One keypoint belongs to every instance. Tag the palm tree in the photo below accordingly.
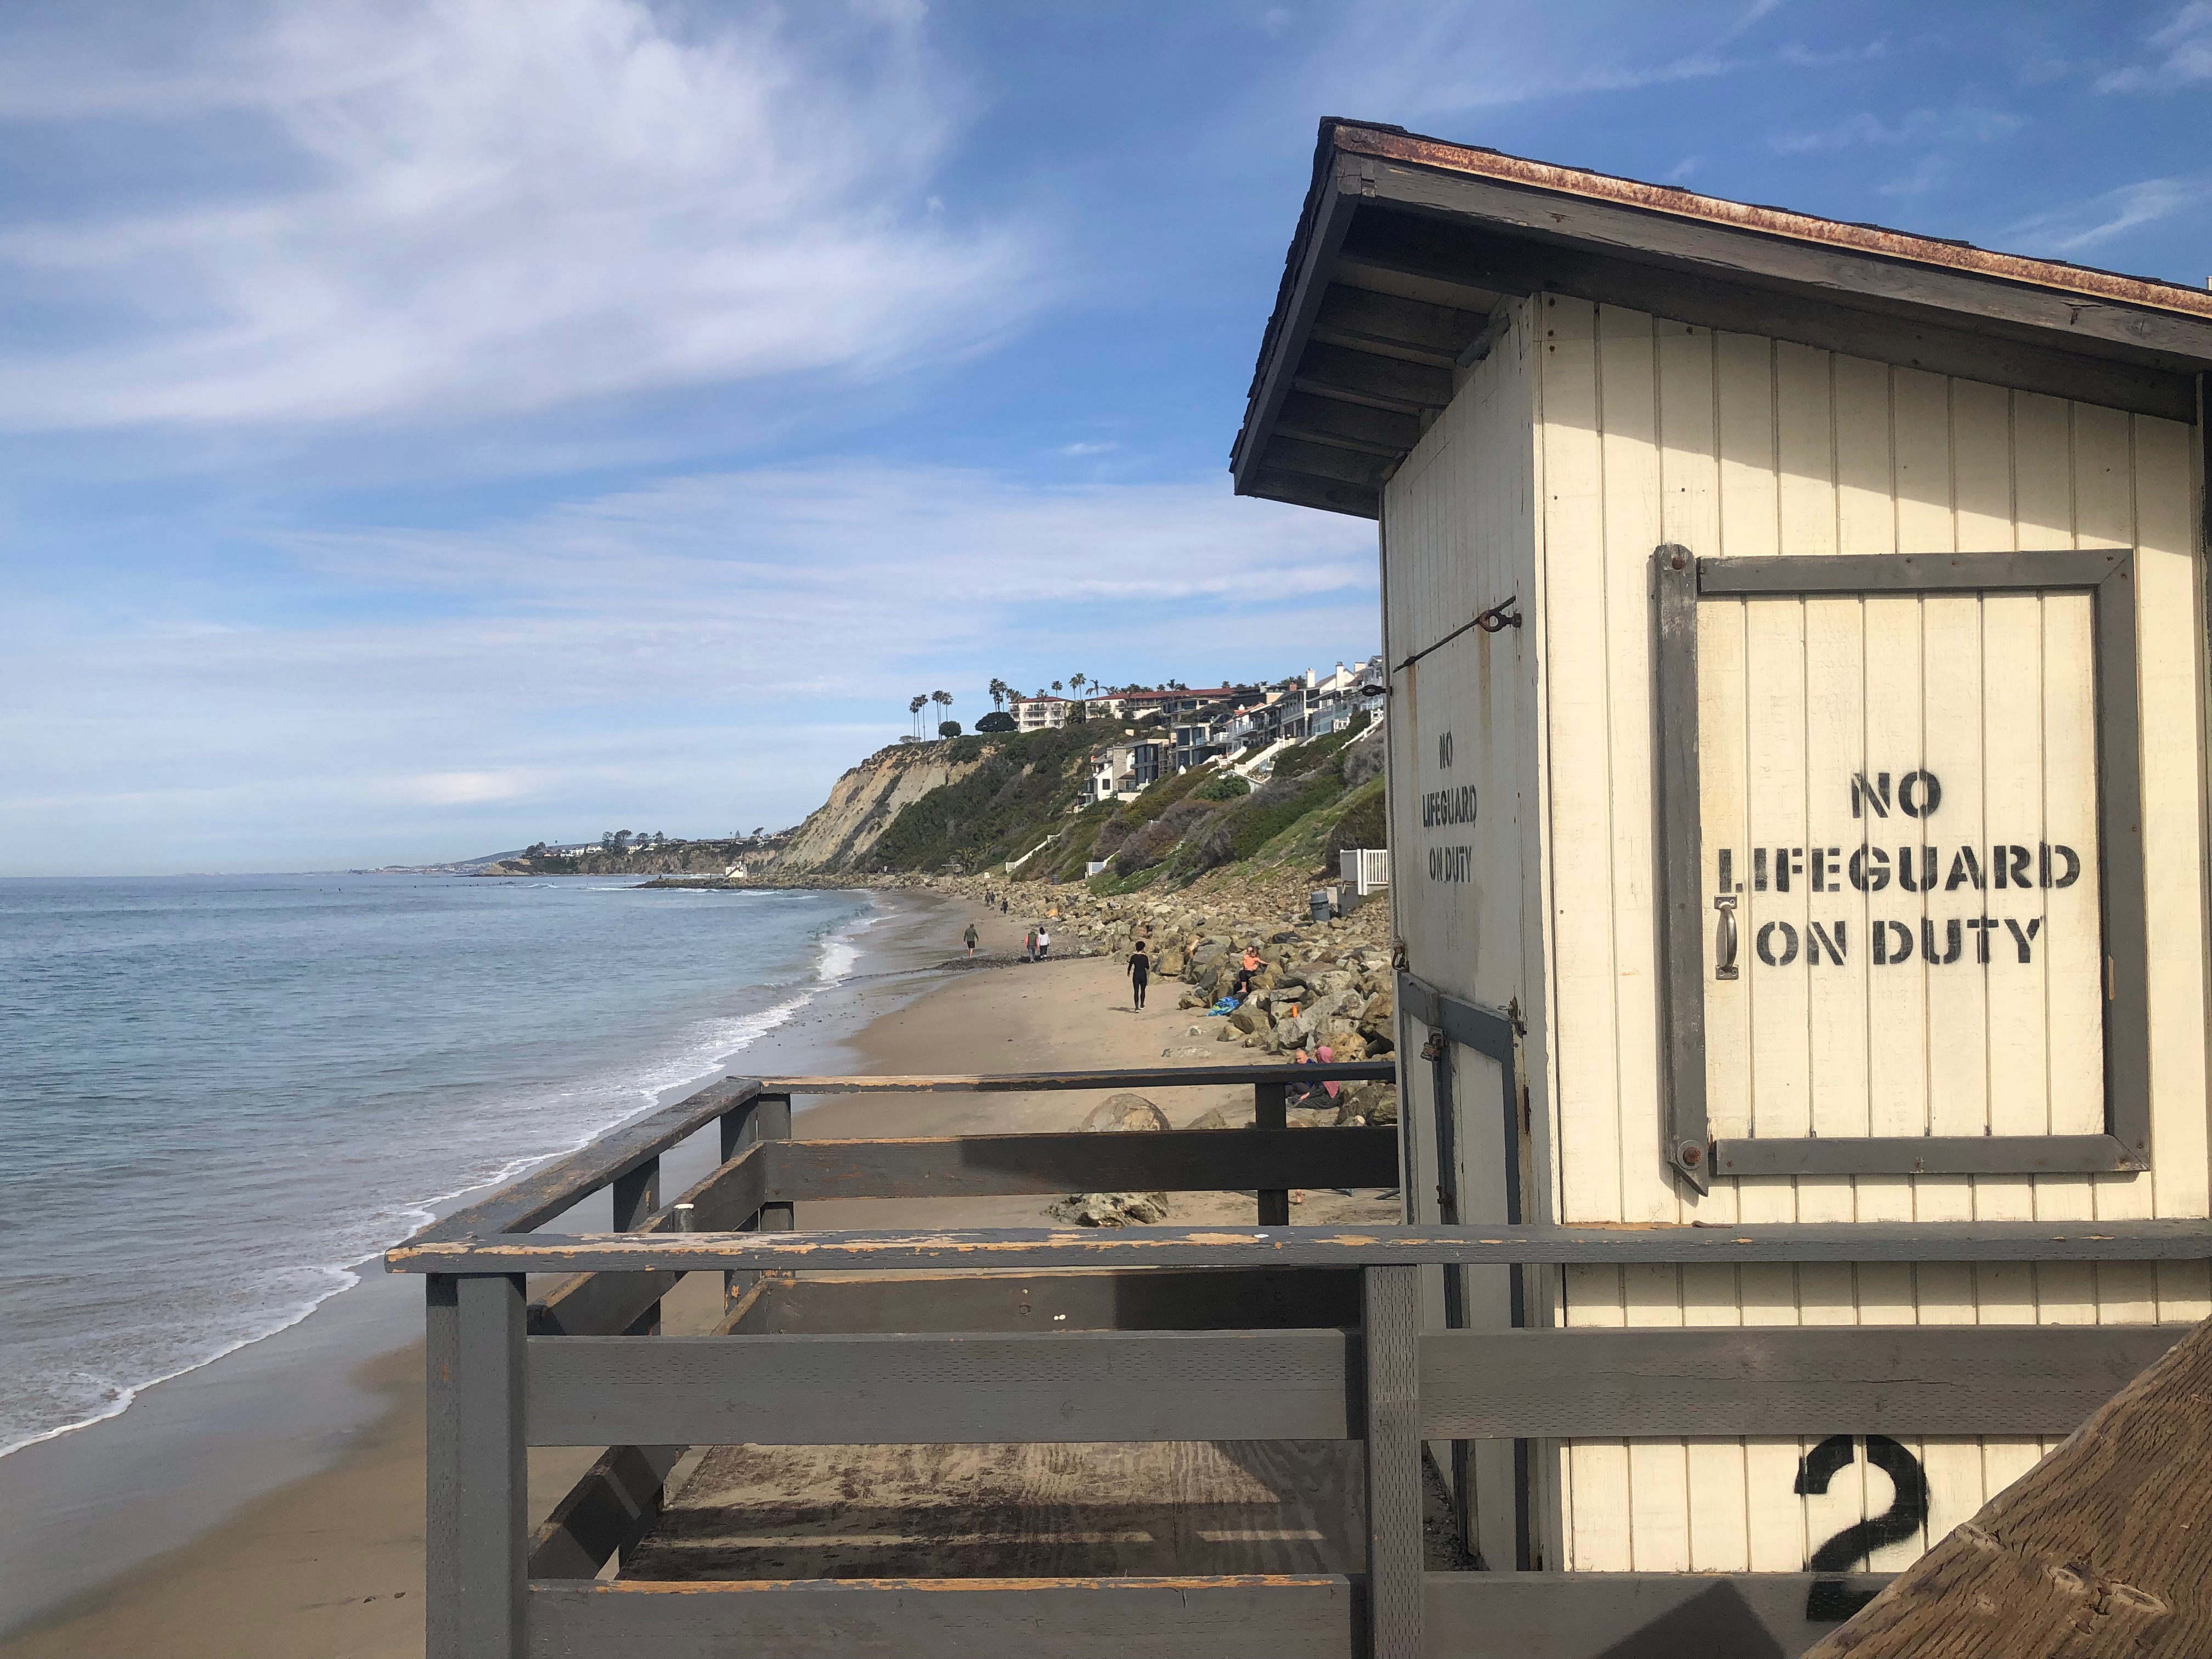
(943, 699)
(1057, 687)
(913, 711)
(1077, 682)
(999, 692)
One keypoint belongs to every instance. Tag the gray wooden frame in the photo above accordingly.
(2107, 575)
(1464, 1615)
(1291, 1333)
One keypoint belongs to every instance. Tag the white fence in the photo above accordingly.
(1365, 870)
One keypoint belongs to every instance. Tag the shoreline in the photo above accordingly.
(83, 1511)
(329, 1563)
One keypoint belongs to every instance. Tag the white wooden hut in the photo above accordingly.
(1811, 825)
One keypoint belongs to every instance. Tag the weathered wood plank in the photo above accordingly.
(1117, 1510)
(615, 1504)
(1246, 1618)
(1730, 1380)
(1141, 1299)
(1390, 1336)
(2161, 1240)
(1160, 1160)
(1622, 1615)
(605, 1304)
(1164, 1077)
(878, 1390)
(2104, 1547)
(552, 1188)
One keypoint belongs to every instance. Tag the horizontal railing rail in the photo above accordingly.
(1037, 1248)
(1164, 1076)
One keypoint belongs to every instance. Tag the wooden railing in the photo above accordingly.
(1173, 1335)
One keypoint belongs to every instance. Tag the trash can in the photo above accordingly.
(1318, 901)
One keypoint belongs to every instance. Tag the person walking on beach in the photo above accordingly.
(1141, 974)
(970, 936)
(1029, 946)
(1044, 943)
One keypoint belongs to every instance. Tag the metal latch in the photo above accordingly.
(1724, 937)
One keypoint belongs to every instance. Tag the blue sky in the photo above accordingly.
(435, 427)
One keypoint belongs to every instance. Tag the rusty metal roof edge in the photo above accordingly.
(1394, 144)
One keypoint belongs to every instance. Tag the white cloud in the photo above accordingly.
(1965, 125)
(708, 648)
(2185, 41)
(1099, 446)
(457, 788)
(1407, 62)
(2082, 225)
(464, 207)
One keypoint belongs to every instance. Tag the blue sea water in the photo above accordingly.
(221, 1095)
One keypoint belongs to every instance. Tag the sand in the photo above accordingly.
(329, 1566)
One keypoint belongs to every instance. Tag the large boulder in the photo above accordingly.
(1369, 1103)
(1126, 1110)
(1212, 1118)
(1169, 964)
(1252, 1015)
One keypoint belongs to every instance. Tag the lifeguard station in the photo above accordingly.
(1796, 642)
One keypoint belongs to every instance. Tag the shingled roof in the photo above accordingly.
(1407, 245)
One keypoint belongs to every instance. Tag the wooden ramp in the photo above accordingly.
(1012, 1511)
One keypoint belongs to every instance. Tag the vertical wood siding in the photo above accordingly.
(1734, 445)
(1459, 536)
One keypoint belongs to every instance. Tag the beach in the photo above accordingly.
(329, 1562)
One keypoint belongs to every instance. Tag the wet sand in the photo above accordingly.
(329, 1565)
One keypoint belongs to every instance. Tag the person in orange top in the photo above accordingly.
(1250, 966)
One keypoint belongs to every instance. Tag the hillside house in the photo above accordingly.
(1040, 713)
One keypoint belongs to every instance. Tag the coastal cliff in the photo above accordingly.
(840, 833)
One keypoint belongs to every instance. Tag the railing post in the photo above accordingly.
(474, 1530)
(1390, 1319)
(772, 1121)
(1271, 1110)
(764, 1117)
(636, 1196)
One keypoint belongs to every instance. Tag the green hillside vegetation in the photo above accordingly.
(1034, 788)
(1019, 796)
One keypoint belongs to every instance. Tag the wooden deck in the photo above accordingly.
(1013, 1511)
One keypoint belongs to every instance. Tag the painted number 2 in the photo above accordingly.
(1830, 1599)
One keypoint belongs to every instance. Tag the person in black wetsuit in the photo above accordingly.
(1140, 974)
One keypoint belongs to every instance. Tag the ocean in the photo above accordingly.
(220, 1097)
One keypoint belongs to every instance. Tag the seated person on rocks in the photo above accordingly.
(1315, 1094)
(1245, 971)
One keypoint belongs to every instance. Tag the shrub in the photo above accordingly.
(1156, 840)
(996, 722)
(1364, 823)
(1363, 759)
(1241, 828)
(1227, 786)
(948, 728)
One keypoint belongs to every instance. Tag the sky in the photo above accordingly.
(434, 426)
